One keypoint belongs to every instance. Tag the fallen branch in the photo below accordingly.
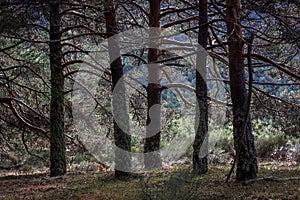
(271, 178)
(14, 167)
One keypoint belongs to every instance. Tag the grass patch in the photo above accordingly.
(162, 184)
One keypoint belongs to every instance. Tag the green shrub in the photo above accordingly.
(268, 138)
(221, 145)
(267, 143)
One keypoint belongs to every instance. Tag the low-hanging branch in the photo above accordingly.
(178, 85)
(12, 46)
(90, 94)
(215, 5)
(81, 5)
(265, 106)
(5, 100)
(8, 101)
(81, 26)
(174, 10)
(274, 97)
(46, 41)
(26, 147)
(80, 15)
(30, 69)
(96, 68)
(281, 67)
(191, 89)
(136, 23)
(137, 5)
(179, 22)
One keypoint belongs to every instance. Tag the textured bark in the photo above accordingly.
(243, 137)
(57, 136)
(121, 138)
(152, 142)
(200, 144)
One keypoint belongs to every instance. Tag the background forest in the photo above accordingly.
(254, 45)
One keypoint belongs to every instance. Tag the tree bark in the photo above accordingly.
(243, 137)
(57, 136)
(121, 137)
(200, 145)
(152, 141)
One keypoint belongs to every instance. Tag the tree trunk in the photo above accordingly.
(57, 137)
(152, 142)
(201, 142)
(121, 137)
(243, 137)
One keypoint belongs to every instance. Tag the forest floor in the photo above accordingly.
(168, 184)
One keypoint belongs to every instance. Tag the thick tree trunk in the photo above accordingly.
(243, 137)
(121, 137)
(152, 142)
(57, 136)
(201, 143)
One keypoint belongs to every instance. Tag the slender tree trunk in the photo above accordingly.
(201, 142)
(121, 137)
(57, 136)
(243, 137)
(152, 142)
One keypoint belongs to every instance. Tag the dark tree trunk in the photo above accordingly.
(121, 137)
(152, 142)
(201, 143)
(243, 137)
(57, 137)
